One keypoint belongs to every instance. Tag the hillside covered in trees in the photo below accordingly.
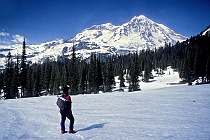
(190, 58)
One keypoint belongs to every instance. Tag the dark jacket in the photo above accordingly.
(68, 102)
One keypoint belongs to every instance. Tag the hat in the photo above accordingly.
(66, 89)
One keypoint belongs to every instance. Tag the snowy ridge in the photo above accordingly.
(207, 31)
(137, 34)
(159, 111)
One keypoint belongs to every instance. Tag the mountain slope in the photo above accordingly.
(140, 32)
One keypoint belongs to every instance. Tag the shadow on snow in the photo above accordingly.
(94, 126)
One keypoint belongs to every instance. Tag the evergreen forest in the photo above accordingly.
(191, 58)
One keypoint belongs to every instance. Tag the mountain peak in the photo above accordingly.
(141, 18)
(106, 26)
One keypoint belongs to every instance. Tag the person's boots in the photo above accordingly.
(72, 131)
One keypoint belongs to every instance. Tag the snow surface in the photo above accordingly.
(159, 112)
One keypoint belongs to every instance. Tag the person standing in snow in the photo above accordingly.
(67, 112)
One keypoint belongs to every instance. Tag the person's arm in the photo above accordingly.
(70, 103)
(69, 100)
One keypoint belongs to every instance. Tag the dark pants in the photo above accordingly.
(69, 115)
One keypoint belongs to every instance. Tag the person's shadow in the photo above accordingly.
(94, 126)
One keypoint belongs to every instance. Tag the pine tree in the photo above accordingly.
(99, 78)
(54, 80)
(33, 87)
(73, 73)
(147, 68)
(121, 75)
(30, 82)
(92, 75)
(133, 74)
(64, 74)
(23, 73)
(208, 69)
(1, 80)
(46, 75)
(15, 81)
(8, 77)
(121, 78)
(36, 78)
(83, 77)
(185, 75)
(110, 81)
(42, 76)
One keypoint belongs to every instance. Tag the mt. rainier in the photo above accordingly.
(137, 34)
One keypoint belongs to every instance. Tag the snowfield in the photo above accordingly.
(158, 112)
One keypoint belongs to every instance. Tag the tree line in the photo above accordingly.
(191, 58)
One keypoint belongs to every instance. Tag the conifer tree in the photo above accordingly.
(30, 81)
(121, 78)
(23, 72)
(148, 66)
(54, 80)
(110, 81)
(1, 80)
(99, 78)
(46, 74)
(64, 74)
(185, 73)
(8, 77)
(92, 76)
(15, 81)
(133, 74)
(73, 73)
(121, 75)
(208, 69)
(83, 77)
(36, 84)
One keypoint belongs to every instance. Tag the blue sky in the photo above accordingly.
(44, 20)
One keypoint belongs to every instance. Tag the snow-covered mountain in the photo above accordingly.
(137, 34)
